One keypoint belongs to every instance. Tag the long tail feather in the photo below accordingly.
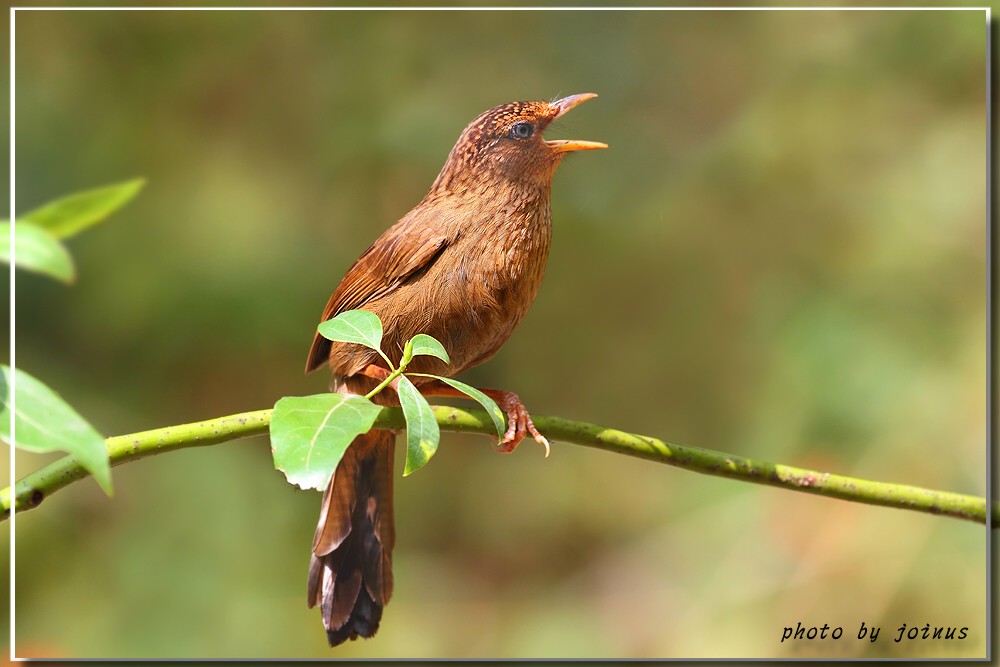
(350, 574)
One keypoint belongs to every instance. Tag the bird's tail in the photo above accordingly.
(350, 575)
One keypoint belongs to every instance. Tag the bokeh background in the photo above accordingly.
(782, 255)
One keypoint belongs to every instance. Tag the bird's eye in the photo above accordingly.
(522, 130)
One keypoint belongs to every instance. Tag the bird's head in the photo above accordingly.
(506, 144)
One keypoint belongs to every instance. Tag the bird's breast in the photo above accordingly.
(493, 282)
(477, 290)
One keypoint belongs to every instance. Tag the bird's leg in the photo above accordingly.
(519, 422)
(376, 373)
(380, 374)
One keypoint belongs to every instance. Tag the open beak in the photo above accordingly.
(568, 145)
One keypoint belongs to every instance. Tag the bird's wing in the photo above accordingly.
(403, 250)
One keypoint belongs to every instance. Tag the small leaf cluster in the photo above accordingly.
(309, 434)
(41, 420)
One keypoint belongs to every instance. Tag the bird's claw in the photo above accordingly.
(519, 425)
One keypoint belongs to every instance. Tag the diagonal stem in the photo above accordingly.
(35, 487)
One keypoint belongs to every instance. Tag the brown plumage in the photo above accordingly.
(463, 266)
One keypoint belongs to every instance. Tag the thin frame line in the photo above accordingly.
(10, 388)
(505, 8)
(989, 332)
(989, 208)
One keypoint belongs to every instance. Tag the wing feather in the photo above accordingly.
(402, 251)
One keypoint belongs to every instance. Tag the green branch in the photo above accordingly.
(32, 489)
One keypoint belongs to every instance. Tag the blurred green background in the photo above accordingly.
(782, 255)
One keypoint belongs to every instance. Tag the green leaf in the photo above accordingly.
(36, 250)
(494, 411)
(69, 215)
(309, 434)
(354, 326)
(43, 422)
(422, 432)
(428, 345)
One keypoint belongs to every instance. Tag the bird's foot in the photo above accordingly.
(519, 423)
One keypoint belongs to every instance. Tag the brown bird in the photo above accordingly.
(463, 266)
